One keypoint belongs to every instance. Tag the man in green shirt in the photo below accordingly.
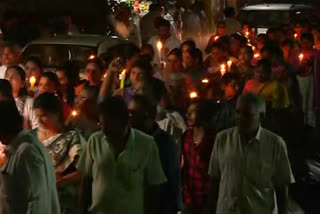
(121, 165)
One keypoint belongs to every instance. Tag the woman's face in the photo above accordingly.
(32, 69)
(260, 74)
(244, 56)
(136, 75)
(94, 74)
(46, 85)
(46, 120)
(174, 64)
(12, 75)
(192, 115)
(63, 79)
(187, 60)
(86, 102)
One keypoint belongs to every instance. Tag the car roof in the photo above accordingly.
(81, 39)
(276, 7)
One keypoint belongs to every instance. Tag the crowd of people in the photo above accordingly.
(168, 127)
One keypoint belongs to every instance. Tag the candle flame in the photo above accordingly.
(229, 63)
(247, 34)
(32, 80)
(193, 95)
(216, 38)
(92, 56)
(74, 113)
(159, 46)
(301, 57)
(205, 81)
(295, 35)
(257, 56)
(223, 69)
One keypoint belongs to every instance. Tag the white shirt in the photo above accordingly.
(118, 185)
(249, 172)
(25, 107)
(171, 43)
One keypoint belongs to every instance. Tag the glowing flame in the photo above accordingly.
(295, 35)
(247, 34)
(223, 69)
(229, 63)
(32, 80)
(159, 46)
(205, 81)
(193, 95)
(257, 56)
(92, 56)
(216, 38)
(301, 57)
(74, 113)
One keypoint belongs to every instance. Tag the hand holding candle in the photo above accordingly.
(223, 69)
(159, 47)
(32, 82)
(229, 63)
(193, 95)
(122, 78)
(74, 113)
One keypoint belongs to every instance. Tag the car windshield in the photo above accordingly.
(264, 18)
(53, 55)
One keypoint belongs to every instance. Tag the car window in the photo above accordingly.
(264, 18)
(54, 55)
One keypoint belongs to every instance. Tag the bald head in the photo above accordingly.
(250, 111)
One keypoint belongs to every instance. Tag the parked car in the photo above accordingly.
(264, 16)
(53, 51)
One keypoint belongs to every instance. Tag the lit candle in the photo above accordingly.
(205, 81)
(193, 95)
(247, 34)
(301, 57)
(295, 36)
(92, 56)
(257, 56)
(32, 82)
(74, 113)
(159, 47)
(223, 69)
(216, 38)
(122, 78)
(229, 63)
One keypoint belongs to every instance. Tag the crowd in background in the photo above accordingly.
(152, 131)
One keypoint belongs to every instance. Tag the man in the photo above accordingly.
(249, 165)
(27, 178)
(233, 26)
(147, 28)
(123, 163)
(9, 57)
(143, 113)
(164, 36)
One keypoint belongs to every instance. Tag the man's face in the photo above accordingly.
(137, 115)
(174, 64)
(46, 85)
(221, 30)
(260, 74)
(217, 54)
(247, 117)
(9, 57)
(164, 32)
(112, 128)
(231, 89)
(94, 74)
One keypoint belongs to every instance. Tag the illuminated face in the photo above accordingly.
(94, 74)
(12, 75)
(9, 57)
(46, 85)
(32, 69)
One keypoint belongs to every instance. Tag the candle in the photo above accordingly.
(32, 82)
(74, 113)
(223, 69)
(159, 47)
(301, 57)
(229, 63)
(122, 78)
(193, 95)
(295, 36)
(257, 56)
(216, 38)
(205, 81)
(92, 56)
(247, 34)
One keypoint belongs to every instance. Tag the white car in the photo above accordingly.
(265, 16)
(55, 50)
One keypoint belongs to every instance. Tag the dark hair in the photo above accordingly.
(176, 52)
(288, 42)
(265, 64)
(93, 90)
(115, 109)
(146, 103)
(228, 77)
(98, 62)
(70, 88)
(308, 36)
(229, 12)
(73, 69)
(221, 23)
(6, 88)
(189, 43)
(155, 7)
(10, 46)
(12, 121)
(161, 22)
(205, 111)
(35, 60)
(53, 78)
(50, 103)
(243, 40)
(147, 47)
(23, 91)
(196, 54)
(248, 50)
(144, 64)
(217, 45)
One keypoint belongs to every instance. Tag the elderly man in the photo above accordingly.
(249, 165)
(27, 177)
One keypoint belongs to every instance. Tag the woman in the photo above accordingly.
(17, 78)
(49, 83)
(196, 152)
(66, 85)
(274, 92)
(86, 121)
(244, 64)
(34, 69)
(63, 146)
